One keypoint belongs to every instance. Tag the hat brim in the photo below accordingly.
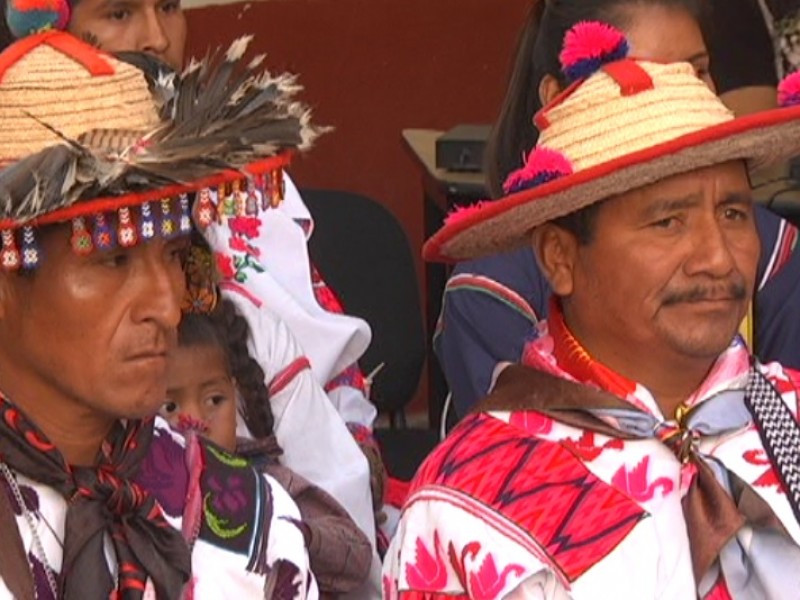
(505, 224)
(107, 204)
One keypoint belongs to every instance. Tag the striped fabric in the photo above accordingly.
(490, 287)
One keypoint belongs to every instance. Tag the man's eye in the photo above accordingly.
(171, 7)
(169, 408)
(734, 214)
(668, 223)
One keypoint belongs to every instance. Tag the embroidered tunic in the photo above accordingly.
(517, 505)
(244, 525)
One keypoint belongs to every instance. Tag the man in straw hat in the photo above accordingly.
(318, 404)
(639, 451)
(99, 165)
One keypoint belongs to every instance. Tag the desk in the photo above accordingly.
(442, 190)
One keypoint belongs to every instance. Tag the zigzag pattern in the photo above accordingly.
(541, 486)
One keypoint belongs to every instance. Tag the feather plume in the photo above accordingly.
(220, 114)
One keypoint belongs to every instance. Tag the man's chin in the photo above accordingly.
(140, 405)
(706, 348)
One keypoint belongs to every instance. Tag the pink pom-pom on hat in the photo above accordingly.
(461, 213)
(588, 46)
(789, 90)
(541, 166)
(28, 17)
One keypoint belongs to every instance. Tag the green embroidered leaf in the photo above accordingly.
(228, 459)
(219, 525)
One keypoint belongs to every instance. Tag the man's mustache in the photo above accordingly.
(734, 290)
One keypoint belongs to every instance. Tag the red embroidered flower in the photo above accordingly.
(238, 244)
(245, 226)
(225, 266)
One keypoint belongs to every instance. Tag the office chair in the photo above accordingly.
(363, 254)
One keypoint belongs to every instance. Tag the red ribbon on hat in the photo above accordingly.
(88, 56)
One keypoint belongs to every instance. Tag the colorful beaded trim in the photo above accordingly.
(166, 217)
(225, 203)
(101, 232)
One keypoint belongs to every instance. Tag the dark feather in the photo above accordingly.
(219, 114)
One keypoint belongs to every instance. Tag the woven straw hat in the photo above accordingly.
(627, 124)
(118, 147)
(55, 79)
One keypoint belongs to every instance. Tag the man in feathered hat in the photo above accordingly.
(97, 171)
(639, 450)
(318, 404)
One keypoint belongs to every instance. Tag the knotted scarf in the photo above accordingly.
(713, 516)
(101, 500)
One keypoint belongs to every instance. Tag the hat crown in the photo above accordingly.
(624, 125)
(606, 116)
(56, 80)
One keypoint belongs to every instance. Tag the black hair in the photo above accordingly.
(580, 223)
(536, 55)
(6, 39)
(227, 330)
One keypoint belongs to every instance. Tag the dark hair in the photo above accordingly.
(536, 55)
(580, 223)
(6, 39)
(226, 329)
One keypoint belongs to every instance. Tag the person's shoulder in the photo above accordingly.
(492, 474)
(513, 279)
(517, 268)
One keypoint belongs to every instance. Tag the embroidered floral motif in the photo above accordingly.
(225, 265)
(227, 458)
(769, 477)
(163, 473)
(239, 244)
(429, 571)
(244, 263)
(245, 226)
(487, 582)
(389, 588)
(235, 267)
(220, 525)
(585, 446)
(636, 484)
(236, 504)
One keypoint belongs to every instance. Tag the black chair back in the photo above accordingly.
(364, 255)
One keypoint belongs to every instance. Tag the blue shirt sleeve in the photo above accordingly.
(777, 299)
(490, 308)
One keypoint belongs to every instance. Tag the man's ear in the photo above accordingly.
(556, 252)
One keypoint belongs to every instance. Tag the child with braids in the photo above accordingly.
(215, 389)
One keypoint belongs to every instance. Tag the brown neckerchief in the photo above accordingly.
(712, 516)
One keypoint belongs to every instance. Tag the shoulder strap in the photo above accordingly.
(521, 388)
(779, 432)
(15, 571)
